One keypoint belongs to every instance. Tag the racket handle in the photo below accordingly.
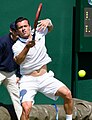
(33, 36)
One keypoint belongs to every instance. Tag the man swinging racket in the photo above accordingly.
(33, 58)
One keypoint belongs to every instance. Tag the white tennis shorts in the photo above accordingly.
(46, 84)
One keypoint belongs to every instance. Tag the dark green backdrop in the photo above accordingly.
(82, 53)
(59, 41)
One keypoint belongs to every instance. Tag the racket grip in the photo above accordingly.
(33, 37)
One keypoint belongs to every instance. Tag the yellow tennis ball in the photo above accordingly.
(82, 73)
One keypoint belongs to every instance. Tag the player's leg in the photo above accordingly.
(65, 93)
(27, 106)
(53, 88)
(28, 89)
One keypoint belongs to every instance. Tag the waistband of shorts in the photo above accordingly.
(45, 75)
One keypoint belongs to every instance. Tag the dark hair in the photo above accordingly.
(12, 26)
(19, 20)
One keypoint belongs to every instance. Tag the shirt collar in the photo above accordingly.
(23, 40)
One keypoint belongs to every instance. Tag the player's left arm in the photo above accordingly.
(43, 24)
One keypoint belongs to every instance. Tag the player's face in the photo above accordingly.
(23, 29)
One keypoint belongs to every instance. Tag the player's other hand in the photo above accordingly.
(42, 24)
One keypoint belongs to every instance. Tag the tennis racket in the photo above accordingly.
(36, 19)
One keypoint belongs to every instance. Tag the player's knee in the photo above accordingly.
(27, 110)
(68, 95)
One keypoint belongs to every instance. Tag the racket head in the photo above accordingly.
(37, 15)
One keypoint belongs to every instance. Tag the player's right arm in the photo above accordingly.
(21, 56)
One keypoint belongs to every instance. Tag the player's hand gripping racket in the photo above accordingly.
(36, 19)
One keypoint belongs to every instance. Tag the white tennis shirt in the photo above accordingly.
(37, 55)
